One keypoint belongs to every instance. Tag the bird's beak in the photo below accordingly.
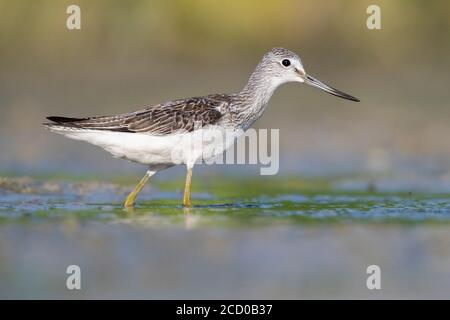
(316, 83)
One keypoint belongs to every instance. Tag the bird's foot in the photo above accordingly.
(130, 200)
(187, 203)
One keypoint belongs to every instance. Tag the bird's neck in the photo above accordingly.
(257, 93)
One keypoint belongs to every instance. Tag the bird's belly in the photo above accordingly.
(202, 145)
(184, 148)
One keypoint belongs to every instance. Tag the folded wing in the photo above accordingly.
(179, 115)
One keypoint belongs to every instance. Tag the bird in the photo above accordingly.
(160, 136)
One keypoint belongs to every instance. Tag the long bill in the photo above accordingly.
(322, 86)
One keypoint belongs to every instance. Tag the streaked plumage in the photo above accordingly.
(152, 135)
(174, 116)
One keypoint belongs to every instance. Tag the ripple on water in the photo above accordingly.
(99, 200)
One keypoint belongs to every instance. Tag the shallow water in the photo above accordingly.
(277, 238)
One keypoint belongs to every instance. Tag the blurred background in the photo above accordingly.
(131, 54)
(300, 235)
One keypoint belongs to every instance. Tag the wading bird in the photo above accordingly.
(152, 135)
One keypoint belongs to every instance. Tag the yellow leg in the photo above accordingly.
(187, 189)
(131, 199)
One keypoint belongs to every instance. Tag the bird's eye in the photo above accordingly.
(286, 62)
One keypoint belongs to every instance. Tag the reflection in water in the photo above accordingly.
(303, 261)
(251, 245)
(190, 219)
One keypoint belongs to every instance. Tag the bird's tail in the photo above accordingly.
(63, 124)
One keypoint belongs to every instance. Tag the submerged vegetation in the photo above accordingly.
(227, 202)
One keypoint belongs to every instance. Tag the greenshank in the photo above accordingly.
(150, 136)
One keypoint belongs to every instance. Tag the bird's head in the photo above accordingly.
(282, 66)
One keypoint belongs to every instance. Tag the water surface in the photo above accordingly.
(244, 238)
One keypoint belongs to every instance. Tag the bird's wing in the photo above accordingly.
(180, 115)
